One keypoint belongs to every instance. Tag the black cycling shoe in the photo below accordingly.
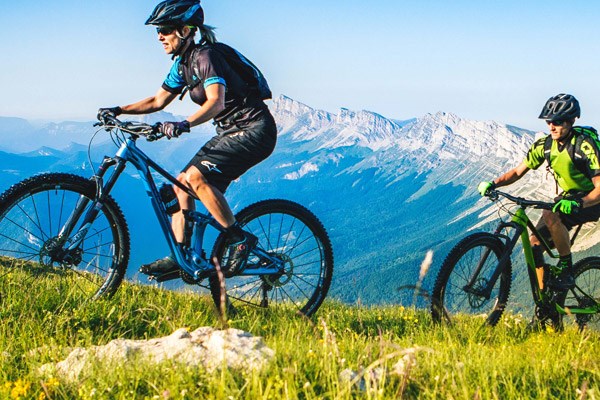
(160, 267)
(564, 280)
(536, 325)
(239, 252)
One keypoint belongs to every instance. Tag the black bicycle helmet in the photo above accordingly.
(562, 107)
(177, 13)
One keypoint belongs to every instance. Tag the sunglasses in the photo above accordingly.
(165, 30)
(558, 122)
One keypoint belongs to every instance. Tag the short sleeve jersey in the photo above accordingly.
(570, 178)
(211, 71)
(207, 67)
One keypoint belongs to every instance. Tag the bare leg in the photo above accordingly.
(539, 270)
(211, 197)
(559, 232)
(186, 203)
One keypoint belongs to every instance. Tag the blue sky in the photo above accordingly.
(482, 59)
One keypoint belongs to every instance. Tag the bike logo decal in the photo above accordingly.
(211, 166)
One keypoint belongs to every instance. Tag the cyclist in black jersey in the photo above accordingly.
(246, 130)
(574, 158)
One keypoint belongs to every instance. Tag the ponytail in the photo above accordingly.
(207, 33)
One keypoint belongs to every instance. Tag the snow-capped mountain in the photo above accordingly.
(386, 190)
(348, 128)
(442, 146)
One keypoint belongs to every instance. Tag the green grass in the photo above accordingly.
(460, 362)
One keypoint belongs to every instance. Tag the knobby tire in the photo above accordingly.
(289, 231)
(450, 300)
(32, 213)
(585, 294)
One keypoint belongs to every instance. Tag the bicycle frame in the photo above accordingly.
(521, 224)
(195, 264)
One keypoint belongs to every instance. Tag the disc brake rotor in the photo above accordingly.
(475, 300)
(284, 277)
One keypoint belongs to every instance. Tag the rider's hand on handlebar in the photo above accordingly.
(174, 129)
(485, 186)
(109, 111)
(568, 206)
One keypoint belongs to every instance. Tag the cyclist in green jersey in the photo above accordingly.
(572, 153)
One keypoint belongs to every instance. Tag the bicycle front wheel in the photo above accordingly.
(290, 232)
(586, 294)
(37, 268)
(466, 271)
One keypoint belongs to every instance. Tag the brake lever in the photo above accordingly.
(154, 136)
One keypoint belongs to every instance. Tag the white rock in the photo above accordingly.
(206, 347)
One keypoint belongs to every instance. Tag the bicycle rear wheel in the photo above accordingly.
(586, 293)
(292, 233)
(37, 270)
(451, 296)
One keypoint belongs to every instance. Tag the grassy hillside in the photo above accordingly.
(462, 362)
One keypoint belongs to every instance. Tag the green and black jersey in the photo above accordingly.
(573, 163)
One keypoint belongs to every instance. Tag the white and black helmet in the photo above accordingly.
(562, 107)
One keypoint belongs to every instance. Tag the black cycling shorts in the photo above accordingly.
(588, 214)
(233, 151)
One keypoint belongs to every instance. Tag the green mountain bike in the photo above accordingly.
(475, 278)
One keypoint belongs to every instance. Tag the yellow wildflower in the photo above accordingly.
(20, 389)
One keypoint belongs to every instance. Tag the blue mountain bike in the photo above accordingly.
(68, 235)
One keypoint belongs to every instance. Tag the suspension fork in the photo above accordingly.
(102, 190)
(519, 224)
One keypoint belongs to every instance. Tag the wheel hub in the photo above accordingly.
(53, 252)
(283, 277)
(476, 300)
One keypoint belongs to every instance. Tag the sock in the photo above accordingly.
(538, 256)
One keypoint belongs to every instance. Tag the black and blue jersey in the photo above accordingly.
(202, 66)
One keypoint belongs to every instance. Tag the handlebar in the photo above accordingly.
(150, 132)
(494, 194)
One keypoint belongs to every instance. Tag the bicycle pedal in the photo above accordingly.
(167, 276)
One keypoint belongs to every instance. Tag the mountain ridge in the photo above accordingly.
(386, 190)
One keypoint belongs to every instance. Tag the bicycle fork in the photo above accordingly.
(69, 244)
(519, 224)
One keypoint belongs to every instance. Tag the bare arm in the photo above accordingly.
(593, 197)
(151, 104)
(214, 104)
(512, 176)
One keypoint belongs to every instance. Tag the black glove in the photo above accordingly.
(174, 129)
(110, 111)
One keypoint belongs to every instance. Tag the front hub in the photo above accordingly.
(53, 252)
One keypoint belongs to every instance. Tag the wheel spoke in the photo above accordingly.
(37, 217)
(291, 233)
(23, 228)
(32, 215)
(458, 270)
